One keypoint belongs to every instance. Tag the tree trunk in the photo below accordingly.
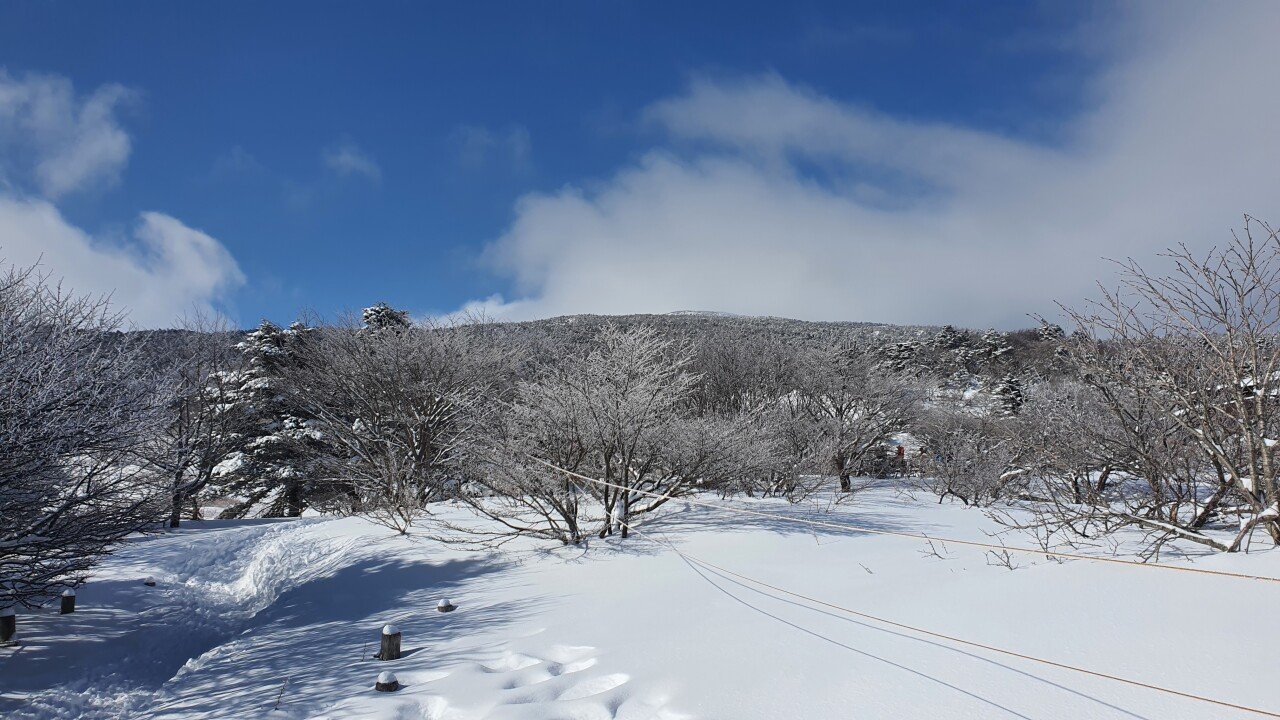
(607, 530)
(293, 506)
(622, 513)
(1209, 506)
(1102, 480)
(175, 510)
(846, 484)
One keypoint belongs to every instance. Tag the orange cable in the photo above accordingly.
(931, 633)
(918, 536)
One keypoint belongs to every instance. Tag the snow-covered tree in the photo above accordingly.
(621, 414)
(397, 405)
(1187, 366)
(77, 402)
(975, 458)
(203, 422)
(1050, 333)
(845, 408)
(271, 471)
(1008, 395)
(948, 338)
(994, 349)
(903, 357)
(383, 317)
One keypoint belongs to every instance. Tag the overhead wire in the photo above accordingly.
(915, 629)
(918, 536)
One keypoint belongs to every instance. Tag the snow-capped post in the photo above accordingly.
(8, 624)
(68, 601)
(149, 582)
(390, 649)
(446, 606)
(387, 682)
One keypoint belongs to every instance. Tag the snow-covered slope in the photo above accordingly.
(248, 613)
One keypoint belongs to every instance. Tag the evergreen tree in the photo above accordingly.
(1009, 396)
(948, 338)
(271, 469)
(903, 356)
(1050, 332)
(382, 316)
(994, 348)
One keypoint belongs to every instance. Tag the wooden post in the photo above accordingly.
(68, 601)
(387, 682)
(446, 606)
(149, 582)
(390, 649)
(8, 624)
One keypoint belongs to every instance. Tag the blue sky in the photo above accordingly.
(854, 161)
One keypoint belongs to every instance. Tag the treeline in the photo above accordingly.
(1157, 412)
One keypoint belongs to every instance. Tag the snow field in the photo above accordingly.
(631, 630)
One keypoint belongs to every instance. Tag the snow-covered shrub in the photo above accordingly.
(77, 404)
(204, 419)
(845, 406)
(974, 458)
(397, 407)
(622, 414)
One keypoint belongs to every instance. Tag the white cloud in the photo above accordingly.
(53, 142)
(164, 271)
(57, 140)
(347, 159)
(912, 221)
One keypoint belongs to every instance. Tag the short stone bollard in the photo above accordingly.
(390, 649)
(8, 624)
(68, 601)
(149, 582)
(387, 682)
(446, 606)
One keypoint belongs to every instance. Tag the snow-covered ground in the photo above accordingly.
(248, 614)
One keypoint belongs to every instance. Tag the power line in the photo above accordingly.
(982, 646)
(917, 536)
(922, 631)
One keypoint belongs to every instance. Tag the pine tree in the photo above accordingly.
(902, 356)
(1009, 397)
(1050, 332)
(270, 470)
(382, 317)
(994, 348)
(948, 338)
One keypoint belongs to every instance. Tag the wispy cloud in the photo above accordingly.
(346, 159)
(53, 142)
(478, 147)
(911, 221)
(237, 161)
(56, 140)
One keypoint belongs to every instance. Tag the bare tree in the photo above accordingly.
(1190, 362)
(846, 407)
(203, 421)
(1074, 443)
(622, 414)
(396, 405)
(511, 483)
(973, 457)
(77, 401)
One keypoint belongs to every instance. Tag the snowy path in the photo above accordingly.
(633, 631)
